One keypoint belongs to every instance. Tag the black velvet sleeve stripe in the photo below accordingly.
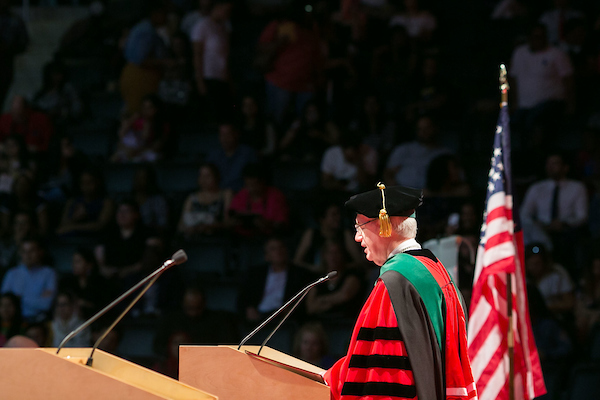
(379, 361)
(379, 389)
(379, 333)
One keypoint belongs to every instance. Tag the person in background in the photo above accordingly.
(408, 162)
(190, 19)
(144, 136)
(66, 319)
(25, 199)
(205, 211)
(587, 306)
(349, 166)
(89, 212)
(342, 296)
(308, 136)
(39, 333)
(170, 366)
(555, 212)
(125, 243)
(20, 160)
(258, 209)
(543, 85)
(194, 319)
(23, 225)
(146, 55)
(256, 130)
(90, 290)
(552, 280)
(11, 320)
(210, 42)
(310, 345)
(31, 280)
(231, 157)
(14, 40)
(330, 228)
(57, 97)
(154, 209)
(34, 126)
(289, 55)
(268, 286)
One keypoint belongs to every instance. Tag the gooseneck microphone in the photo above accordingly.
(299, 296)
(178, 258)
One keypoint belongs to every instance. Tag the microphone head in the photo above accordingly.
(332, 274)
(179, 257)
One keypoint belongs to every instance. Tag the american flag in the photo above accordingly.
(500, 252)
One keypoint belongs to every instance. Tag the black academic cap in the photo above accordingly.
(400, 201)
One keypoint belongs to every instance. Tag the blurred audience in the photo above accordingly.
(267, 287)
(310, 345)
(205, 212)
(146, 55)
(87, 213)
(342, 296)
(11, 320)
(329, 228)
(14, 40)
(91, 290)
(33, 281)
(34, 126)
(66, 319)
(231, 157)
(210, 40)
(408, 163)
(258, 209)
(143, 137)
(57, 97)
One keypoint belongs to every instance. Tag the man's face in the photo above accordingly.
(276, 252)
(31, 254)
(193, 305)
(375, 247)
(555, 167)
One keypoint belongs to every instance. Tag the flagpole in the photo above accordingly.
(510, 334)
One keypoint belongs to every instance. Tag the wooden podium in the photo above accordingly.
(30, 374)
(233, 374)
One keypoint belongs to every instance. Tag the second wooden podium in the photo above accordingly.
(234, 374)
(31, 374)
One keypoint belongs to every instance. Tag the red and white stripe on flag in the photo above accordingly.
(500, 252)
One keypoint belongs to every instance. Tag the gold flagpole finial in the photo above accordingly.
(504, 88)
(385, 226)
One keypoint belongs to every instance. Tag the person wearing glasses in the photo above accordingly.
(410, 337)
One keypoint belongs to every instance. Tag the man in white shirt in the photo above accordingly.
(542, 80)
(555, 210)
(408, 163)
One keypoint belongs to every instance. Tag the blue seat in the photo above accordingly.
(93, 143)
(177, 177)
(137, 342)
(62, 256)
(119, 178)
(296, 176)
(205, 259)
(221, 297)
(585, 383)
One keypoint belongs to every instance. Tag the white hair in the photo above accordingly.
(406, 228)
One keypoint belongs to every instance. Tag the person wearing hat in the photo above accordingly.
(410, 337)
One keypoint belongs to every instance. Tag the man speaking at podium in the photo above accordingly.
(410, 338)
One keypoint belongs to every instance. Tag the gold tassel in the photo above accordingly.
(385, 226)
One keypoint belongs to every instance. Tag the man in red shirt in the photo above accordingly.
(33, 125)
(292, 62)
